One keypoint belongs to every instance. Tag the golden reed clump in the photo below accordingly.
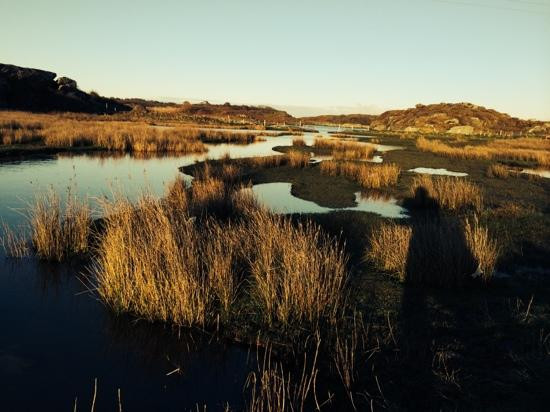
(498, 171)
(156, 260)
(366, 175)
(451, 193)
(298, 159)
(345, 149)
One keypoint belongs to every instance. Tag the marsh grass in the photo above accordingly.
(484, 248)
(298, 142)
(345, 150)
(298, 273)
(389, 248)
(274, 388)
(175, 260)
(451, 193)
(263, 161)
(498, 171)
(369, 176)
(298, 159)
(124, 136)
(14, 242)
(442, 252)
(524, 150)
(58, 231)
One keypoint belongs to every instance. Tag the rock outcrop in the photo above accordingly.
(456, 118)
(24, 88)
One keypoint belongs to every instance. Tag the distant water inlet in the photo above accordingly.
(278, 198)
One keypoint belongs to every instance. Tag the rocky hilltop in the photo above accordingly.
(232, 111)
(456, 118)
(362, 119)
(23, 88)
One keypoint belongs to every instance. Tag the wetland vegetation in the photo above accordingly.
(444, 307)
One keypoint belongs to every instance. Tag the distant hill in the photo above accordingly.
(23, 88)
(456, 118)
(362, 119)
(206, 112)
(235, 112)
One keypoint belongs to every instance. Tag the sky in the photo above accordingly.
(309, 57)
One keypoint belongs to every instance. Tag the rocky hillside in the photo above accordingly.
(236, 112)
(456, 118)
(42, 91)
(340, 119)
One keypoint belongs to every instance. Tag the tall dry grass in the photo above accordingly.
(138, 137)
(345, 150)
(525, 150)
(451, 193)
(499, 171)
(274, 388)
(484, 248)
(14, 242)
(157, 261)
(444, 253)
(366, 175)
(148, 263)
(59, 231)
(298, 272)
(263, 161)
(389, 248)
(298, 159)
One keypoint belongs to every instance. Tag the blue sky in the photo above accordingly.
(306, 56)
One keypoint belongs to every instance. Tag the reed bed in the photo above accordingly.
(156, 261)
(451, 193)
(298, 272)
(59, 231)
(298, 159)
(498, 171)
(299, 142)
(369, 176)
(526, 150)
(294, 158)
(484, 248)
(148, 264)
(263, 161)
(444, 253)
(138, 137)
(14, 242)
(389, 248)
(345, 150)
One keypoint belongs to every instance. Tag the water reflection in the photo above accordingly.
(278, 198)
